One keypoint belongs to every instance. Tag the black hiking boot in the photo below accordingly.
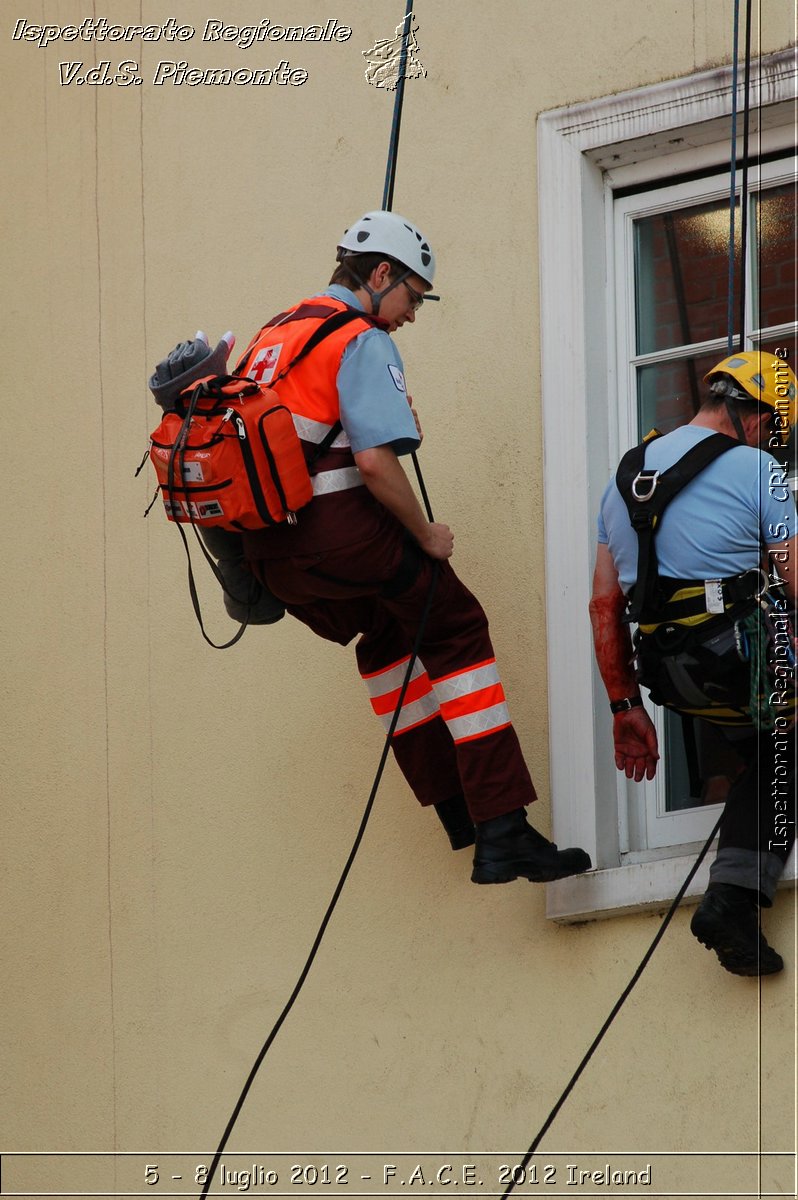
(456, 820)
(727, 921)
(508, 846)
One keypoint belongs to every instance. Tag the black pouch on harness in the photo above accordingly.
(689, 669)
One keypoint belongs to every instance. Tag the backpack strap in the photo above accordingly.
(647, 494)
(330, 319)
(327, 326)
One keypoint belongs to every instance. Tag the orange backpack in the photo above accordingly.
(231, 459)
(228, 454)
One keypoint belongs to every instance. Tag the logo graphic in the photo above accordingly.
(192, 472)
(385, 67)
(397, 377)
(187, 510)
(264, 364)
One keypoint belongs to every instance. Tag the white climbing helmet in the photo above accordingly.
(387, 233)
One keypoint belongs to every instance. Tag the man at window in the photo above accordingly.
(708, 645)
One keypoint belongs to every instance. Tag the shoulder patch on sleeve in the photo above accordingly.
(397, 377)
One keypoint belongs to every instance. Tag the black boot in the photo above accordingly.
(456, 820)
(508, 846)
(727, 921)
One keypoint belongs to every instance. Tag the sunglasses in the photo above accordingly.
(417, 298)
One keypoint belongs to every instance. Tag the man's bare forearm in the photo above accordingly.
(384, 477)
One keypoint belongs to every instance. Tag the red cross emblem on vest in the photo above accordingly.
(264, 364)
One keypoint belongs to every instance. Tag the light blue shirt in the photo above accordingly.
(712, 529)
(372, 390)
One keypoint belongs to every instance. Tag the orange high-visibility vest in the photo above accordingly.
(310, 389)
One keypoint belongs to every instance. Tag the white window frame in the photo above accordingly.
(584, 152)
(644, 822)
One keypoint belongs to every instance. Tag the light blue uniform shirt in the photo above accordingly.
(712, 529)
(371, 389)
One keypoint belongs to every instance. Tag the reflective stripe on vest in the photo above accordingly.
(419, 704)
(325, 482)
(472, 701)
(316, 431)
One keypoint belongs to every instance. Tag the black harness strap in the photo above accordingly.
(647, 494)
(330, 318)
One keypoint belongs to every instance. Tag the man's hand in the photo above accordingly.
(635, 738)
(438, 541)
(384, 476)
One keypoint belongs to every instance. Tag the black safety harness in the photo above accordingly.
(647, 494)
(700, 645)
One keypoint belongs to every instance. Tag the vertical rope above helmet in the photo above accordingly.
(396, 124)
(387, 194)
(387, 201)
(731, 406)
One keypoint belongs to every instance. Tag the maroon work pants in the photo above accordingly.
(454, 734)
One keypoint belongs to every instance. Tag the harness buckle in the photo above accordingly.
(764, 584)
(647, 477)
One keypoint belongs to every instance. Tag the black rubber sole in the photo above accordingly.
(485, 873)
(733, 958)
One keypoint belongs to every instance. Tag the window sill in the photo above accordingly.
(638, 887)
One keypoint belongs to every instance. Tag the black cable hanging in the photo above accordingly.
(730, 316)
(594, 1045)
(387, 201)
(730, 319)
(393, 145)
(331, 906)
(732, 183)
(390, 180)
(744, 180)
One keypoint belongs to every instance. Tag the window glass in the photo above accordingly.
(775, 257)
(682, 275)
(669, 393)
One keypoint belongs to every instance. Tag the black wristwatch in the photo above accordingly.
(619, 706)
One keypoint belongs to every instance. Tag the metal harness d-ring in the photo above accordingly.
(649, 477)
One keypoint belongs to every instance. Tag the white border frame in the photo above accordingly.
(633, 129)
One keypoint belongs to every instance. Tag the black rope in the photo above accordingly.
(390, 179)
(730, 344)
(594, 1045)
(732, 183)
(336, 894)
(744, 180)
(393, 144)
(387, 201)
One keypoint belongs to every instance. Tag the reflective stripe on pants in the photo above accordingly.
(455, 733)
(472, 701)
(384, 688)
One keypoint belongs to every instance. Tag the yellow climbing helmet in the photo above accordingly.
(763, 377)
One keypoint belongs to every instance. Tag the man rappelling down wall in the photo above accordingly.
(715, 639)
(363, 559)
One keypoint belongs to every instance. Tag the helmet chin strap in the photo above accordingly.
(734, 417)
(377, 297)
(722, 387)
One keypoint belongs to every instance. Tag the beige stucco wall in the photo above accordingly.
(176, 818)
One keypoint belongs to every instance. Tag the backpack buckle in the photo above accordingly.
(645, 477)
